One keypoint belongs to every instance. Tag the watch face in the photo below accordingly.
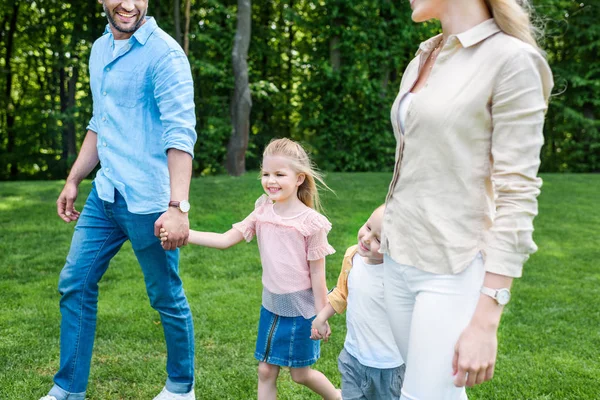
(503, 296)
(184, 206)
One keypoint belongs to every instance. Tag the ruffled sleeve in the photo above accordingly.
(247, 227)
(317, 228)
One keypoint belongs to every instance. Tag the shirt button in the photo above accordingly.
(107, 169)
(108, 68)
(103, 93)
(104, 119)
(104, 144)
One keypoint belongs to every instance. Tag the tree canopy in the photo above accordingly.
(324, 72)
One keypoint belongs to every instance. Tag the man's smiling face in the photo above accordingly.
(125, 16)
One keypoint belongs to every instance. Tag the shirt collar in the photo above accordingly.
(143, 32)
(467, 39)
(478, 33)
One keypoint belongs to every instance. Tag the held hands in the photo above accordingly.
(163, 236)
(176, 228)
(320, 330)
(65, 203)
(474, 355)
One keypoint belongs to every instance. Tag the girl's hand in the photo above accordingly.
(320, 330)
(474, 355)
(163, 236)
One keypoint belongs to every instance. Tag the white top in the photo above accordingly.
(404, 103)
(369, 336)
(119, 44)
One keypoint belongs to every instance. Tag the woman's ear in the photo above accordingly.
(301, 178)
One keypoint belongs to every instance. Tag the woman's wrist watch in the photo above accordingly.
(502, 296)
(183, 205)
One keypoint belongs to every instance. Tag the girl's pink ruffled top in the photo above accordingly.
(286, 246)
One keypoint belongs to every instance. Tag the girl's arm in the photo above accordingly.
(211, 239)
(319, 285)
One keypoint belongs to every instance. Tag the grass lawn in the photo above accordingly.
(549, 337)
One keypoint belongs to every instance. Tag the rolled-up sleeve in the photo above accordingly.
(92, 125)
(338, 296)
(519, 103)
(174, 93)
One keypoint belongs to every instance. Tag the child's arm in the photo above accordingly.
(320, 327)
(319, 287)
(210, 239)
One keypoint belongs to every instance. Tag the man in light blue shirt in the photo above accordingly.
(143, 133)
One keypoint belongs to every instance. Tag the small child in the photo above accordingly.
(292, 240)
(370, 363)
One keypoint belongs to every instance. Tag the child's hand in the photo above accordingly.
(320, 330)
(163, 236)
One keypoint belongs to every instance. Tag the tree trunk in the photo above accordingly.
(241, 103)
(335, 54)
(177, 20)
(10, 108)
(156, 10)
(386, 14)
(290, 70)
(70, 130)
(186, 34)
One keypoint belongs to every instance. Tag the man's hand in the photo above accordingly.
(177, 225)
(65, 203)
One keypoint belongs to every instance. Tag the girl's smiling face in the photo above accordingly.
(279, 180)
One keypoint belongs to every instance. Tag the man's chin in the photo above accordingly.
(130, 28)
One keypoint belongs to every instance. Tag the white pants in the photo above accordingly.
(428, 312)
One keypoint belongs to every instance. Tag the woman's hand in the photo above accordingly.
(475, 355)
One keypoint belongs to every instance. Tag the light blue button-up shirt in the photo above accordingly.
(143, 105)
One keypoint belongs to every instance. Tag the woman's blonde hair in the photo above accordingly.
(308, 192)
(514, 18)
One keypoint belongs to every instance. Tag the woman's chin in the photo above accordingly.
(419, 17)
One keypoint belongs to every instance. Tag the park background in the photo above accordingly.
(324, 72)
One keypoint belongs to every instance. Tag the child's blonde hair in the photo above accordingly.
(308, 192)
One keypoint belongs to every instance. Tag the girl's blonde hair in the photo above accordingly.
(513, 17)
(308, 192)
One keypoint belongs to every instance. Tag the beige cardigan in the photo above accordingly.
(465, 174)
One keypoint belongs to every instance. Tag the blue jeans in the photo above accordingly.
(100, 232)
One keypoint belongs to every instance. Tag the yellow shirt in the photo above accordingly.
(338, 297)
(465, 174)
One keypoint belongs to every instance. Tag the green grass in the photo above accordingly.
(549, 337)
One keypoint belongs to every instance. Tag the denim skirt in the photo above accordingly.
(285, 341)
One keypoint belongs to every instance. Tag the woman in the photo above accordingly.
(459, 213)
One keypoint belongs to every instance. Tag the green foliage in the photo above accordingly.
(548, 338)
(341, 111)
(572, 128)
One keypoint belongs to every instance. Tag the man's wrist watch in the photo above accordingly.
(502, 296)
(183, 205)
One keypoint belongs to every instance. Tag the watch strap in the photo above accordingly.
(489, 292)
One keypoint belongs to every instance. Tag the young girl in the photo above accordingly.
(292, 240)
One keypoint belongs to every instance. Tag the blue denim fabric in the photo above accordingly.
(100, 232)
(285, 341)
(143, 106)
